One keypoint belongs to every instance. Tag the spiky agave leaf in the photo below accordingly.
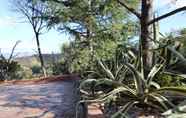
(101, 81)
(111, 95)
(160, 99)
(124, 89)
(118, 71)
(123, 74)
(165, 99)
(178, 110)
(87, 82)
(124, 109)
(108, 72)
(157, 68)
(93, 73)
(175, 90)
(138, 79)
(118, 87)
(132, 54)
(178, 54)
(108, 82)
(154, 84)
(175, 74)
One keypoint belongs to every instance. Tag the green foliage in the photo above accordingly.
(60, 68)
(169, 80)
(25, 73)
(32, 11)
(101, 30)
(80, 60)
(171, 48)
(97, 27)
(36, 69)
(145, 92)
(9, 69)
(177, 112)
(181, 38)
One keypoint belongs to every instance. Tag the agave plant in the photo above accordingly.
(177, 112)
(144, 92)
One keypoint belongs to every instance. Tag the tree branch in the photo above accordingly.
(12, 52)
(132, 10)
(167, 15)
(65, 2)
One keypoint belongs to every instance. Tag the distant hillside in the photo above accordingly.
(29, 61)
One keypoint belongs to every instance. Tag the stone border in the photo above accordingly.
(42, 80)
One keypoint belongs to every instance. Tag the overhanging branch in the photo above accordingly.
(167, 15)
(132, 10)
(64, 2)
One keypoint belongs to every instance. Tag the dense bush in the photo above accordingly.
(25, 73)
(9, 70)
(36, 69)
(60, 68)
(120, 85)
(169, 80)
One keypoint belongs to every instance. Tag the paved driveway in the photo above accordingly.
(50, 100)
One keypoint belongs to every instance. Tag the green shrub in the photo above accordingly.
(9, 69)
(168, 80)
(60, 68)
(36, 69)
(143, 92)
(25, 73)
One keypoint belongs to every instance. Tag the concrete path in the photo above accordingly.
(50, 100)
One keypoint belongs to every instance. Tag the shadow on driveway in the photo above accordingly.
(50, 100)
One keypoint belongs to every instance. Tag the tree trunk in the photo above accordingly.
(40, 54)
(146, 32)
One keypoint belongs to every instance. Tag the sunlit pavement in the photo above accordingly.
(94, 111)
(51, 100)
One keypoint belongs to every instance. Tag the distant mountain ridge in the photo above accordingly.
(29, 61)
(18, 54)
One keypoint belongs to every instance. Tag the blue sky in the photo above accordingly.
(12, 30)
